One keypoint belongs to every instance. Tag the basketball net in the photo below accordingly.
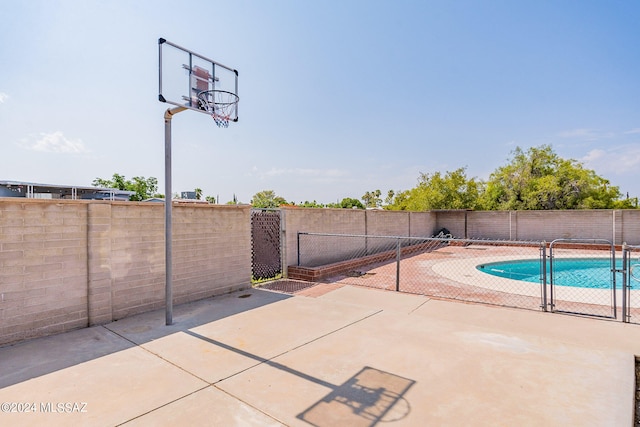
(220, 104)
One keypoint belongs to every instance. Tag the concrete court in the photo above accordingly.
(344, 356)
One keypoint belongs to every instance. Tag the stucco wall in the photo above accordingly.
(70, 264)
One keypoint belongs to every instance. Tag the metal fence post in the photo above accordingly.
(551, 302)
(543, 268)
(283, 244)
(625, 282)
(613, 279)
(398, 245)
(298, 239)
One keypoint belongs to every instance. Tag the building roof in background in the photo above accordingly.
(31, 189)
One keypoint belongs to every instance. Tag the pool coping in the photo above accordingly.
(464, 270)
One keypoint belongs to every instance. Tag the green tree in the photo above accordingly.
(350, 203)
(198, 192)
(372, 199)
(117, 181)
(390, 196)
(308, 204)
(400, 200)
(267, 199)
(539, 179)
(144, 188)
(453, 190)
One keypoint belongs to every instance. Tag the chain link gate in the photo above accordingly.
(265, 244)
(581, 277)
(631, 283)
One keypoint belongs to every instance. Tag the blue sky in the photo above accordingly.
(336, 97)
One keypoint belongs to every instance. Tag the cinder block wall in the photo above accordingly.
(43, 262)
(350, 221)
(630, 228)
(422, 224)
(550, 225)
(71, 264)
(387, 223)
(618, 226)
(309, 220)
(497, 224)
(454, 221)
(212, 245)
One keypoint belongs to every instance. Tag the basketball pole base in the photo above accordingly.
(168, 202)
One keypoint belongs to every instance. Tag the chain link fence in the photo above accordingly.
(569, 276)
(631, 280)
(440, 267)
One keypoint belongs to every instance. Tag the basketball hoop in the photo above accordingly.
(222, 105)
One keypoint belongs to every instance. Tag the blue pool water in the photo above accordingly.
(578, 272)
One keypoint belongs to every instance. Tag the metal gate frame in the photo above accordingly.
(627, 275)
(550, 283)
(267, 251)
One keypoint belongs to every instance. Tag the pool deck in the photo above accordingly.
(330, 355)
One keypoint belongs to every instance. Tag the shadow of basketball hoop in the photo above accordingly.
(369, 397)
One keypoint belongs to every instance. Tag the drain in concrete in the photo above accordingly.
(288, 286)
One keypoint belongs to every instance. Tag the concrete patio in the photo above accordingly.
(330, 355)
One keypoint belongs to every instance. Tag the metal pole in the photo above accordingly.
(625, 281)
(551, 299)
(613, 280)
(283, 246)
(543, 268)
(398, 246)
(168, 255)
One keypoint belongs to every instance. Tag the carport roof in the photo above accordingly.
(75, 191)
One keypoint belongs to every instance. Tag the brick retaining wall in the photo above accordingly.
(316, 274)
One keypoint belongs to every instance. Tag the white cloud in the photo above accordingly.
(54, 142)
(617, 160)
(632, 131)
(593, 156)
(3, 97)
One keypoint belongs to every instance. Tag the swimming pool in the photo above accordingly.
(594, 273)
